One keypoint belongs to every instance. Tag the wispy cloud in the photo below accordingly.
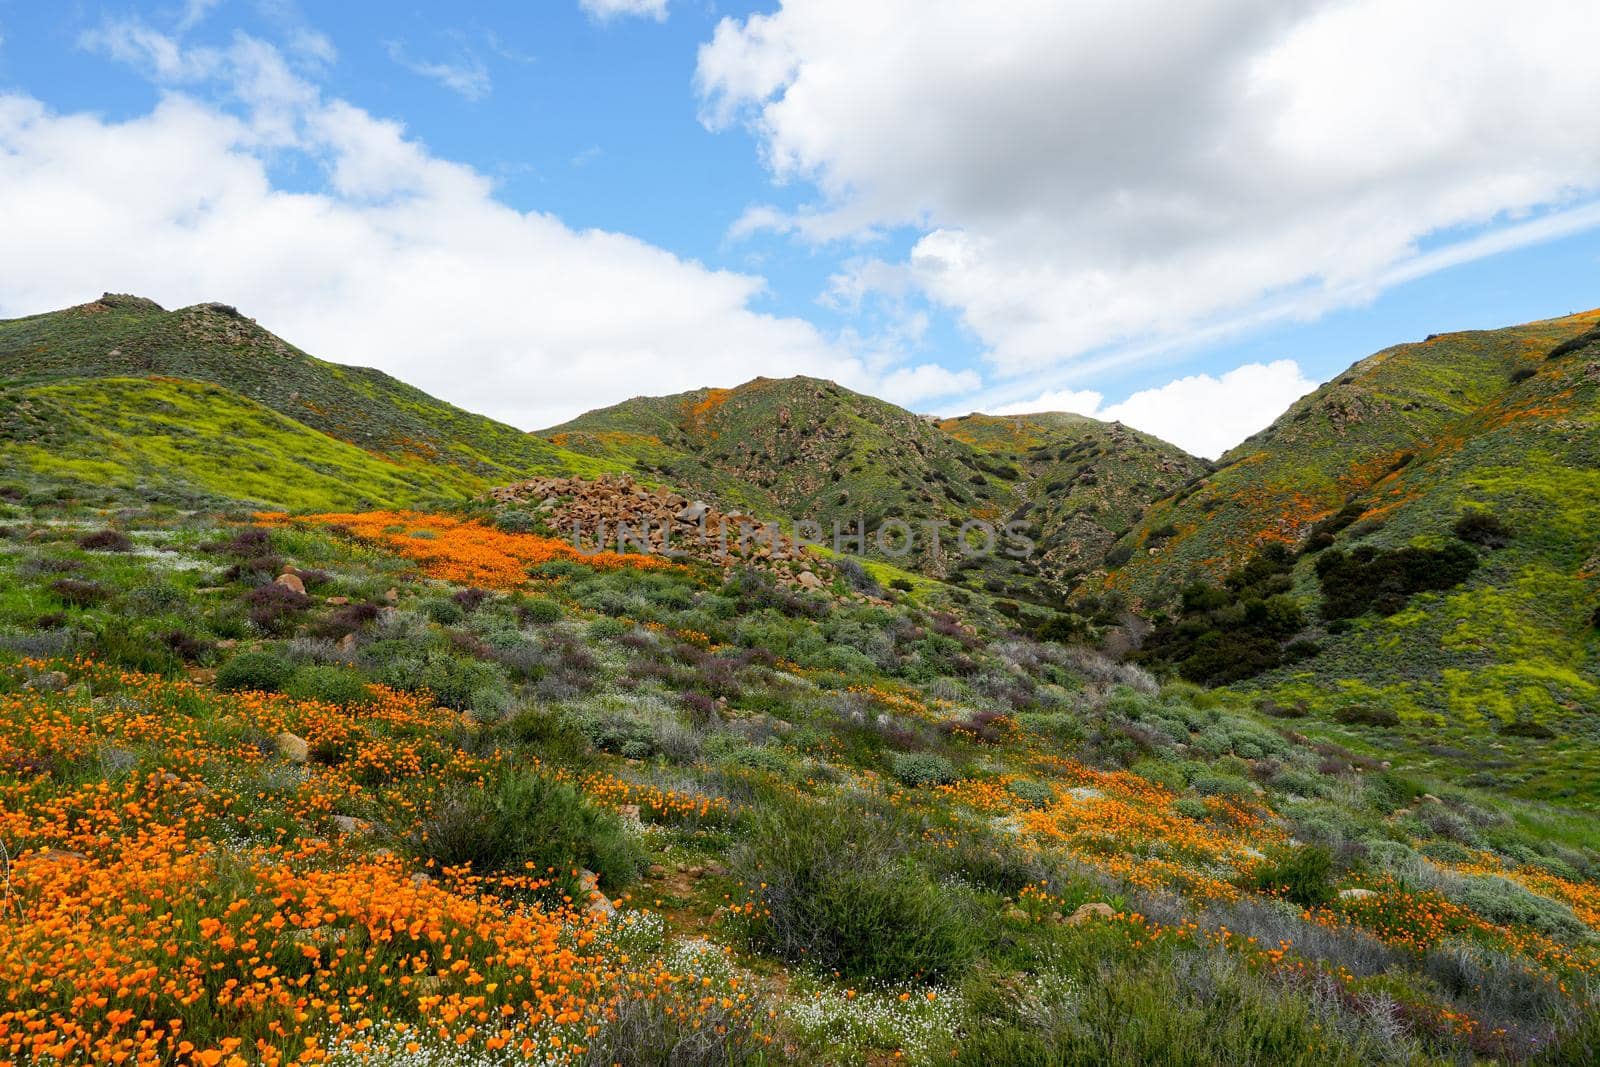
(466, 75)
(606, 10)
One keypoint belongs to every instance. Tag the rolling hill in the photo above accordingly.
(120, 390)
(1086, 481)
(1432, 515)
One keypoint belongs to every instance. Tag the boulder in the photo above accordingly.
(290, 580)
(808, 580)
(1093, 910)
(694, 512)
(292, 748)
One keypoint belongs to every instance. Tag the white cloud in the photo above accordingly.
(910, 386)
(466, 76)
(396, 259)
(1086, 177)
(606, 10)
(1201, 414)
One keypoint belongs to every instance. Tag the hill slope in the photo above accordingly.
(1436, 514)
(119, 357)
(1087, 481)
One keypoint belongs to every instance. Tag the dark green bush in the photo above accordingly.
(1366, 715)
(1483, 528)
(1303, 875)
(266, 671)
(340, 686)
(1371, 580)
(525, 818)
(840, 891)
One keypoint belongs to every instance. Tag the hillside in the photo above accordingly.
(1434, 513)
(798, 447)
(123, 337)
(1086, 481)
(804, 448)
(410, 442)
(360, 779)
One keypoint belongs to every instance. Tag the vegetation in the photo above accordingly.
(391, 781)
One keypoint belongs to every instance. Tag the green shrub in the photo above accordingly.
(1303, 875)
(525, 818)
(339, 686)
(921, 768)
(1366, 715)
(266, 671)
(443, 610)
(1505, 902)
(1034, 794)
(540, 611)
(840, 892)
(1370, 580)
(1483, 528)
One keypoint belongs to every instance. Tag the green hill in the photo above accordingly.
(1086, 481)
(1425, 533)
(111, 391)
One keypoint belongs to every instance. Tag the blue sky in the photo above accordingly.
(532, 209)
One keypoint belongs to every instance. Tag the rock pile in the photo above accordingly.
(598, 513)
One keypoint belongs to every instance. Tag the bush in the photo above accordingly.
(1035, 794)
(443, 610)
(1483, 528)
(1303, 875)
(77, 593)
(916, 769)
(539, 611)
(1505, 902)
(266, 671)
(339, 686)
(902, 584)
(841, 893)
(525, 818)
(1366, 715)
(273, 607)
(106, 541)
(1370, 580)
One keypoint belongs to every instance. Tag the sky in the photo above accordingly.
(1180, 216)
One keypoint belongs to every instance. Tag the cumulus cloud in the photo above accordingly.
(606, 10)
(1201, 414)
(1088, 176)
(396, 258)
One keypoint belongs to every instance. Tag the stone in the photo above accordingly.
(392, 596)
(1355, 894)
(292, 748)
(599, 904)
(694, 512)
(1093, 910)
(291, 582)
(347, 642)
(809, 580)
(349, 824)
(49, 682)
(1017, 915)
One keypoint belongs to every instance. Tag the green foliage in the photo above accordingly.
(1236, 630)
(266, 671)
(329, 684)
(840, 892)
(1303, 875)
(1369, 579)
(921, 768)
(524, 818)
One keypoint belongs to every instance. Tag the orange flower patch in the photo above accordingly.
(461, 550)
